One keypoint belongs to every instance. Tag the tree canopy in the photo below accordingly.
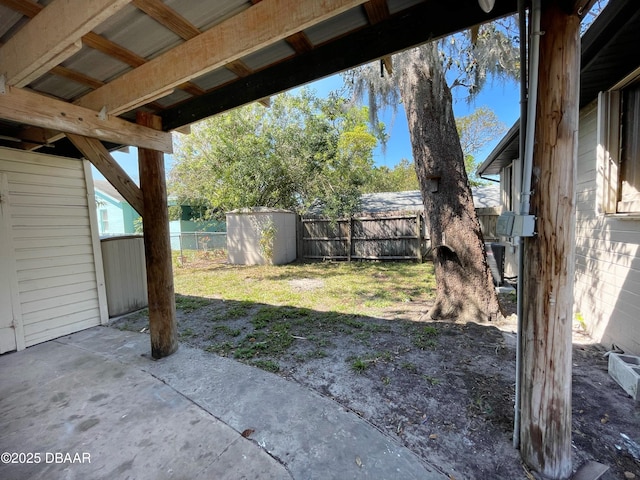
(300, 151)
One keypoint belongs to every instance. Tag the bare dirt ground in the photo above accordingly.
(445, 390)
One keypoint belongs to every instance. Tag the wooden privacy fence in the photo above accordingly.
(388, 237)
(488, 218)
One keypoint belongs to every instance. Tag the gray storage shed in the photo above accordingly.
(260, 235)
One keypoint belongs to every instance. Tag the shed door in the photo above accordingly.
(7, 331)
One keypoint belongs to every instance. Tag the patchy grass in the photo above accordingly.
(424, 337)
(258, 314)
(356, 288)
(188, 303)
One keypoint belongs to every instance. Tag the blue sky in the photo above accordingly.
(501, 97)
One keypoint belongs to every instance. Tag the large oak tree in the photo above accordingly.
(464, 282)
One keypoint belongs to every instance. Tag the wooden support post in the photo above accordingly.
(157, 247)
(545, 391)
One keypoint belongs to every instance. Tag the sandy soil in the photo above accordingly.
(445, 390)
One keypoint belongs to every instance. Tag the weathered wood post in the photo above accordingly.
(157, 247)
(545, 435)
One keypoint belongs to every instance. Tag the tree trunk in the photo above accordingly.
(464, 283)
(545, 434)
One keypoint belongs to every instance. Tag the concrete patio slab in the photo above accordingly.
(94, 405)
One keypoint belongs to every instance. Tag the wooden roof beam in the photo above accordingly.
(37, 47)
(240, 35)
(168, 17)
(28, 8)
(30, 108)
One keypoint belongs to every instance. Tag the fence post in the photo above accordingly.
(418, 238)
(350, 239)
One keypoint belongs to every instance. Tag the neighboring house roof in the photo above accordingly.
(609, 53)
(106, 188)
(410, 201)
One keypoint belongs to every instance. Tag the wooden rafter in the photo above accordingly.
(30, 108)
(36, 48)
(240, 35)
(239, 68)
(300, 42)
(377, 11)
(168, 17)
(28, 8)
(76, 76)
(97, 42)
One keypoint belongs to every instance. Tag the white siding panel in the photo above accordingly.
(61, 314)
(607, 259)
(57, 328)
(51, 306)
(52, 239)
(52, 272)
(45, 253)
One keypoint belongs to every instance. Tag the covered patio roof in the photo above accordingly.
(84, 67)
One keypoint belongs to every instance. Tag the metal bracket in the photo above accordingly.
(3, 84)
(102, 114)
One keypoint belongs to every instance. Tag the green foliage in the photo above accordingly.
(268, 233)
(400, 178)
(476, 130)
(301, 151)
(175, 212)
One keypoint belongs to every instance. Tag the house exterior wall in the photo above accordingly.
(54, 259)
(114, 217)
(607, 258)
(607, 281)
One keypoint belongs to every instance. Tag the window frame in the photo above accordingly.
(610, 128)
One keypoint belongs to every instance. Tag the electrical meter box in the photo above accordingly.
(512, 225)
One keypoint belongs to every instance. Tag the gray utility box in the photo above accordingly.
(495, 259)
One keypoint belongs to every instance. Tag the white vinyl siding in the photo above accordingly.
(607, 261)
(53, 244)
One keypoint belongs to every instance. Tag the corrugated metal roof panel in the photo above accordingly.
(59, 87)
(336, 26)
(177, 96)
(96, 65)
(124, 29)
(214, 79)
(271, 54)
(204, 15)
(10, 22)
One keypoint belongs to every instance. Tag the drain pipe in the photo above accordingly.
(528, 102)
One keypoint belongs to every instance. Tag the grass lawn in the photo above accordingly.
(361, 288)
